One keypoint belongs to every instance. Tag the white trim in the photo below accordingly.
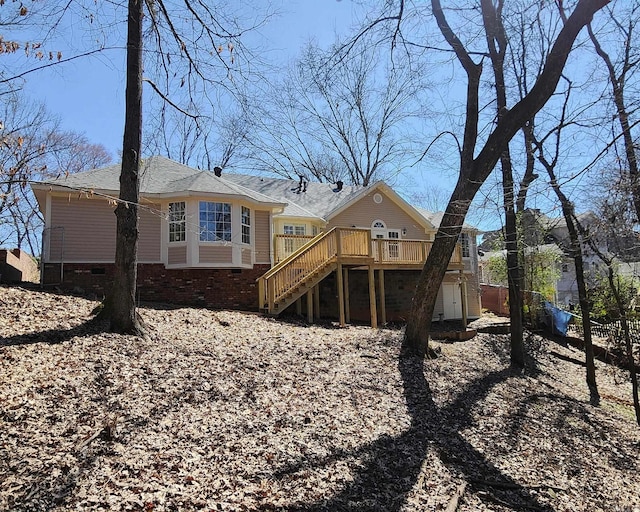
(193, 234)
(208, 265)
(394, 196)
(102, 262)
(186, 194)
(47, 225)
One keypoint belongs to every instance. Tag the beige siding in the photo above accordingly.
(262, 237)
(177, 255)
(363, 213)
(89, 230)
(150, 234)
(219, 254)
(474, 308)
(246, 256)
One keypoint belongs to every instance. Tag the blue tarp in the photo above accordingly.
(559, 319)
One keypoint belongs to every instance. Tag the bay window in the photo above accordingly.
(215, 222)
(246, 225)
(177, 222)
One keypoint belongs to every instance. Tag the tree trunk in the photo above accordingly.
(120, 305)
(497, 44)
(617, 85)
(514, 270)
(585, 309)
(576, 254)
(416, 338)
(627, 339)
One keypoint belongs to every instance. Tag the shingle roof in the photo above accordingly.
(159, 175)
(436, 218)
(318, 200)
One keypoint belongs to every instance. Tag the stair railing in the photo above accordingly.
(308, 260)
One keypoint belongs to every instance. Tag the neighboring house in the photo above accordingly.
(17, 266)
(254, 243)
(542, 232)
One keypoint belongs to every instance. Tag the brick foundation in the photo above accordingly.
(236, 288)
(215, 288)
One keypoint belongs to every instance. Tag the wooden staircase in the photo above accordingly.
(300, 272)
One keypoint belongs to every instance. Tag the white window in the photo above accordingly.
(215, 222)
(378, 229)
(177, 222)
(294, 229)
(246, 225)
(465, 245)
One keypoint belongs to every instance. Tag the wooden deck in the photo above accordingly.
(311, 259)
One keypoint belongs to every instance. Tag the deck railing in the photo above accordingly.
(286, 245)
(309, 259)
(407, 252)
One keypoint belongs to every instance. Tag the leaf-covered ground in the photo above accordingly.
(223, 410)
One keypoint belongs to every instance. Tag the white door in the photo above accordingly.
(452, 301)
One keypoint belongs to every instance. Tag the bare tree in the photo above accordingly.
(184, 36)
(497, 40)
(203, 141)
(619, 74)
(476, 163)
(609, 259)
(341, 117)
(576, 241)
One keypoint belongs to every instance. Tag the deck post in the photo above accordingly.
(340, 285)
(299, 306)
(380, 249)
(271, 291)
(261, 298)
(383, 306)
(372, 298)
(347, 311)
(310, 306)
(463, 297)
(316, 299)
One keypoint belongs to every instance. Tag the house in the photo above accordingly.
(543, 233)
(254, 243)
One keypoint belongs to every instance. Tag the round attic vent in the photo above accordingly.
(377, 198)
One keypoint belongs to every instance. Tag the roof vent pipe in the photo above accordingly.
(217, 171)
(339, 185)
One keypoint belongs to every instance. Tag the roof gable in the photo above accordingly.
(393, 195)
